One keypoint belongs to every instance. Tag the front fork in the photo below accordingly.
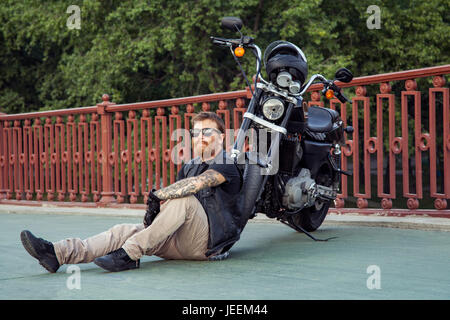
(267, 164)
(237, 151)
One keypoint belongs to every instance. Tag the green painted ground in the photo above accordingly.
(271, 261)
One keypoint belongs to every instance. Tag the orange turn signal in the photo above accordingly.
(239, 52)
(329, 94)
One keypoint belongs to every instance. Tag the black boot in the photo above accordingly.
(40, 249)
(117, 260)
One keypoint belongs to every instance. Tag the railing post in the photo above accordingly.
(2, 163)
(107, 193)
(413, 198)
(440, 203)
(361, 201)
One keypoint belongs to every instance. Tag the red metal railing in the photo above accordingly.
(112, 155)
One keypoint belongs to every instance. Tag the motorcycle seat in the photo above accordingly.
(321, 119)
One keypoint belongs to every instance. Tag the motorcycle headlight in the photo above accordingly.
(273, 109)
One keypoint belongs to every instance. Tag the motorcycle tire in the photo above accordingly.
(311, 218)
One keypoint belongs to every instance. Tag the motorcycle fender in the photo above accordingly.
(314, 155)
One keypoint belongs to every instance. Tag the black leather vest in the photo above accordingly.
(221, 209)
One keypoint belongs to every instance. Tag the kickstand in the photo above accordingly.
(300, 229)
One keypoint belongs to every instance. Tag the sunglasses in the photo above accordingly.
(207, 132)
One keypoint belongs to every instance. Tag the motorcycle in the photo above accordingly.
(296, 180)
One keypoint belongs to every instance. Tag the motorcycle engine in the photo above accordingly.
(300, 191)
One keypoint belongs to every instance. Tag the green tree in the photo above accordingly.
(148, 50)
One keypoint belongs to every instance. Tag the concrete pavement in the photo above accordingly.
(271, 261)
(412, 222)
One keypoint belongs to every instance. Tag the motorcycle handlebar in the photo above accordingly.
(342, 98)
(338, 93)
(246, 42)
(224, 41)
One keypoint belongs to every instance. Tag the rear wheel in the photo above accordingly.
(312, 218)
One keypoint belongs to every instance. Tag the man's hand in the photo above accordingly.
(153, 207)
(179, 189)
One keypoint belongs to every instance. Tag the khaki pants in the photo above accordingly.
(180, 231)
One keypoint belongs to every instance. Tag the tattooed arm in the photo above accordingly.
(190, 186)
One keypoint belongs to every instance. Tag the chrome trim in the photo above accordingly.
(309, 83)
(258, 61)
(262, 80)
(265, 123)
(271, 88)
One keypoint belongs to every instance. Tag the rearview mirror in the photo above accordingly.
(343, 75)
(231, 23)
